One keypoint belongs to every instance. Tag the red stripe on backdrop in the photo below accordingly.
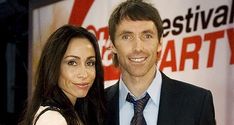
(79, 11)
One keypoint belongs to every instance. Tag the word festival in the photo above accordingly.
(194, 21)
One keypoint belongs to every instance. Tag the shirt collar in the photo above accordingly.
(154, 90)
(123, 91)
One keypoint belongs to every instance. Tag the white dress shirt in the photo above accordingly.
(151, 109)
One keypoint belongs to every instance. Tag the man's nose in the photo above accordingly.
(138, 44)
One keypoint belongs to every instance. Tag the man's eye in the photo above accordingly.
(127, 37)
(147, 36)
(73, 63)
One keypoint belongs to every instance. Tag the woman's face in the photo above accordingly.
(77, 70)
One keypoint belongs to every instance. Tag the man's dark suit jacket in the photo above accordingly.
(180, 104)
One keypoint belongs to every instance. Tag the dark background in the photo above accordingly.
(14, 46)
(14, 18)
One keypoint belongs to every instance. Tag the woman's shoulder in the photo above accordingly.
(47, 115)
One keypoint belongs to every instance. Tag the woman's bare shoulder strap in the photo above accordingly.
(46, 109)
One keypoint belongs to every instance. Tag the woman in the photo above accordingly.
(69, 81)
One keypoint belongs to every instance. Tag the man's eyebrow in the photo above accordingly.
(148, 31)
(124, 32)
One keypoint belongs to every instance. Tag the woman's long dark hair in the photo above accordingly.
(90, 109)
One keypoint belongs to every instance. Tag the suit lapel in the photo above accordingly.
(168, 107)
(112, 97)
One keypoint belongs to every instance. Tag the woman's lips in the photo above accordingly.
(82, 85)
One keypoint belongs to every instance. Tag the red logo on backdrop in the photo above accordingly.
(79, 11)
(81, 8)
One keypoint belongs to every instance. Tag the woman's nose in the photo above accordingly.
(82, 72)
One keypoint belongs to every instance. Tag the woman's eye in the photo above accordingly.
(91, 63)
(73, 63)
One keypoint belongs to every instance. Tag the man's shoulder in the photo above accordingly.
(112, 88)
(190, 87)
(185, 87)
(112, 91)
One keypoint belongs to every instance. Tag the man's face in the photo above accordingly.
(136, 45)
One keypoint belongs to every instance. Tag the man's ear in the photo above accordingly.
(159, 49)
(112, 48)
(114, 54)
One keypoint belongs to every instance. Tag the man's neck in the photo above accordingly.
(138, 85)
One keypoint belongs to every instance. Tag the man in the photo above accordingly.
(144, 95)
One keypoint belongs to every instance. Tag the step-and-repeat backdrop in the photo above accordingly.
(198, 43)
